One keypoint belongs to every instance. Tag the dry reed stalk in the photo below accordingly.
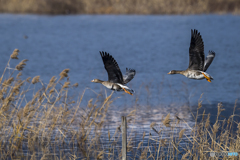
(144, 154)
(143, 135)
(220, 109)
(155, 130)
(132, 113)
(100, 155)
(185, 155)
(181, 133)
(139, 145)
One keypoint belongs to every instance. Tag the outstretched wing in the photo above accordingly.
(112, 68)
(208, 60)
(196, 51)
(130, 73)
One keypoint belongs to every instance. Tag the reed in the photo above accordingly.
(120, 7)
(52, 125)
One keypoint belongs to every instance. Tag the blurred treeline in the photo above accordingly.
(120, 6)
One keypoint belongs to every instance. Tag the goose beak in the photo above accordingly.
(169, 72)
(91, 80)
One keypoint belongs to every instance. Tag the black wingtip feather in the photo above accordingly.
(212, 52)
(196, 38)
(130, 69)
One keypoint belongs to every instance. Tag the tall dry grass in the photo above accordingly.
(51, 125)
(120, 6)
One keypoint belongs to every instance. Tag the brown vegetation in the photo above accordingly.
(120, 6)
(51, 125)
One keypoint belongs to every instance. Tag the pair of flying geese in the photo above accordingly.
(197, 68)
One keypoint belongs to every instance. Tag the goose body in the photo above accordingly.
(116, 81)
(198, 64)
(195, 74)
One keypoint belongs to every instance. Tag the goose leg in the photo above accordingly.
(127, 91)
(207, 78)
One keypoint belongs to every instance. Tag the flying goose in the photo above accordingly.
(116, 81)
(198, 65)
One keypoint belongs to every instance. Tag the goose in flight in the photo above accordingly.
(116, 81)
(198, 65)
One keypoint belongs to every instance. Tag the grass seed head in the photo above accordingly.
(90, 103)
(181, 133)
(215, 127)
(144, 135)
(35, 79)
(75, 85)
(28, 79)
(66, 85)
(220, 108)
(1, 95)
(167, 120)
(51, 91)
(64, 73)
(7, 82)
(152, 124)
(21, 65)
(14, 54)
(19, 75)
(16, 88)
(53, 80)
(207, 121)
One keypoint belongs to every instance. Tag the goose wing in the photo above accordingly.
(130, 73)
(196, 51)
(112, 68)
(208, 60)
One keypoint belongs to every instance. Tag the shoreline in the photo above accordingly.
(124, 7)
